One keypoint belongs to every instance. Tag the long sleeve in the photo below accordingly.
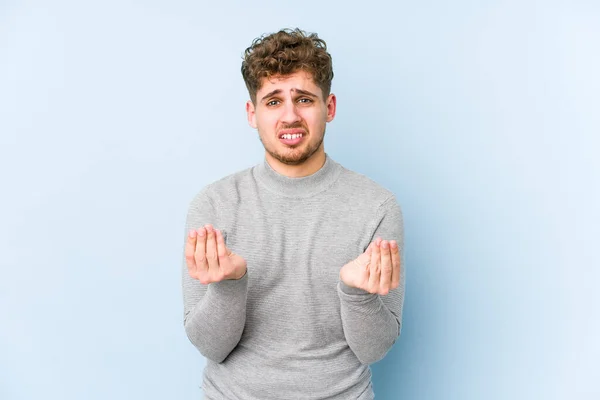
(371, 322)
(214, 314)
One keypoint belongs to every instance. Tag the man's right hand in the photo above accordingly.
(209, 260)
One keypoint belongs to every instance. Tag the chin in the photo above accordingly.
(293, 155)
(291, 160)
(296, 157)
(288, 161)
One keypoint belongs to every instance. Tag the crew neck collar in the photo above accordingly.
(298, 187)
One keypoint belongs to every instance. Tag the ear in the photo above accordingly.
(251, 112)
(330, 103)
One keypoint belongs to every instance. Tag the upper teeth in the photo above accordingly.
(294, 136)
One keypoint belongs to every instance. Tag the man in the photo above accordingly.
(292, 281)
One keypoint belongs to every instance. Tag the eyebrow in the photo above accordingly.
(278, 91)
(274, 92)
(305, 92)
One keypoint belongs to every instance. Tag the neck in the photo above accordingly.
(309, 167)
(297, 187)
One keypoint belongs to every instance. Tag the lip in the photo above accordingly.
(292, 142)
(291, 132)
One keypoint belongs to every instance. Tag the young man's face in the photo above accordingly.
(290, 115)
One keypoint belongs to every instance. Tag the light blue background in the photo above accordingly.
(482, 117)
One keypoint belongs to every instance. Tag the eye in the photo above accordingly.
(273, 103)
(305, 100)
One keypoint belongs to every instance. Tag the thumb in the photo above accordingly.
(365, 257)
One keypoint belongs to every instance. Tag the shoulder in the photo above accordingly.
(377, 204)
(365, 190)
(226, 188)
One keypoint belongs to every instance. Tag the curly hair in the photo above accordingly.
(283, 53)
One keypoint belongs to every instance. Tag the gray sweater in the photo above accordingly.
(290, 329)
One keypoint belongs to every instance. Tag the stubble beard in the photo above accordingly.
(295, 156)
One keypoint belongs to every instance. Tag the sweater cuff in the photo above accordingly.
(230, 287)
(352, 291)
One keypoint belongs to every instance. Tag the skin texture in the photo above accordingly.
(377, 270)
(291, 104)
(292, 109)
(209, 260)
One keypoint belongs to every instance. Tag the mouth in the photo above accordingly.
(291, 137)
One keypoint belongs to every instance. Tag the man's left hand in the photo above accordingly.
(377, 270)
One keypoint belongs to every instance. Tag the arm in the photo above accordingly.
(214, 314)
(373, 322)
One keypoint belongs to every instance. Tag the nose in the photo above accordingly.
(290, 113)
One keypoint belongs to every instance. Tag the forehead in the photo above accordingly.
(299, 80)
